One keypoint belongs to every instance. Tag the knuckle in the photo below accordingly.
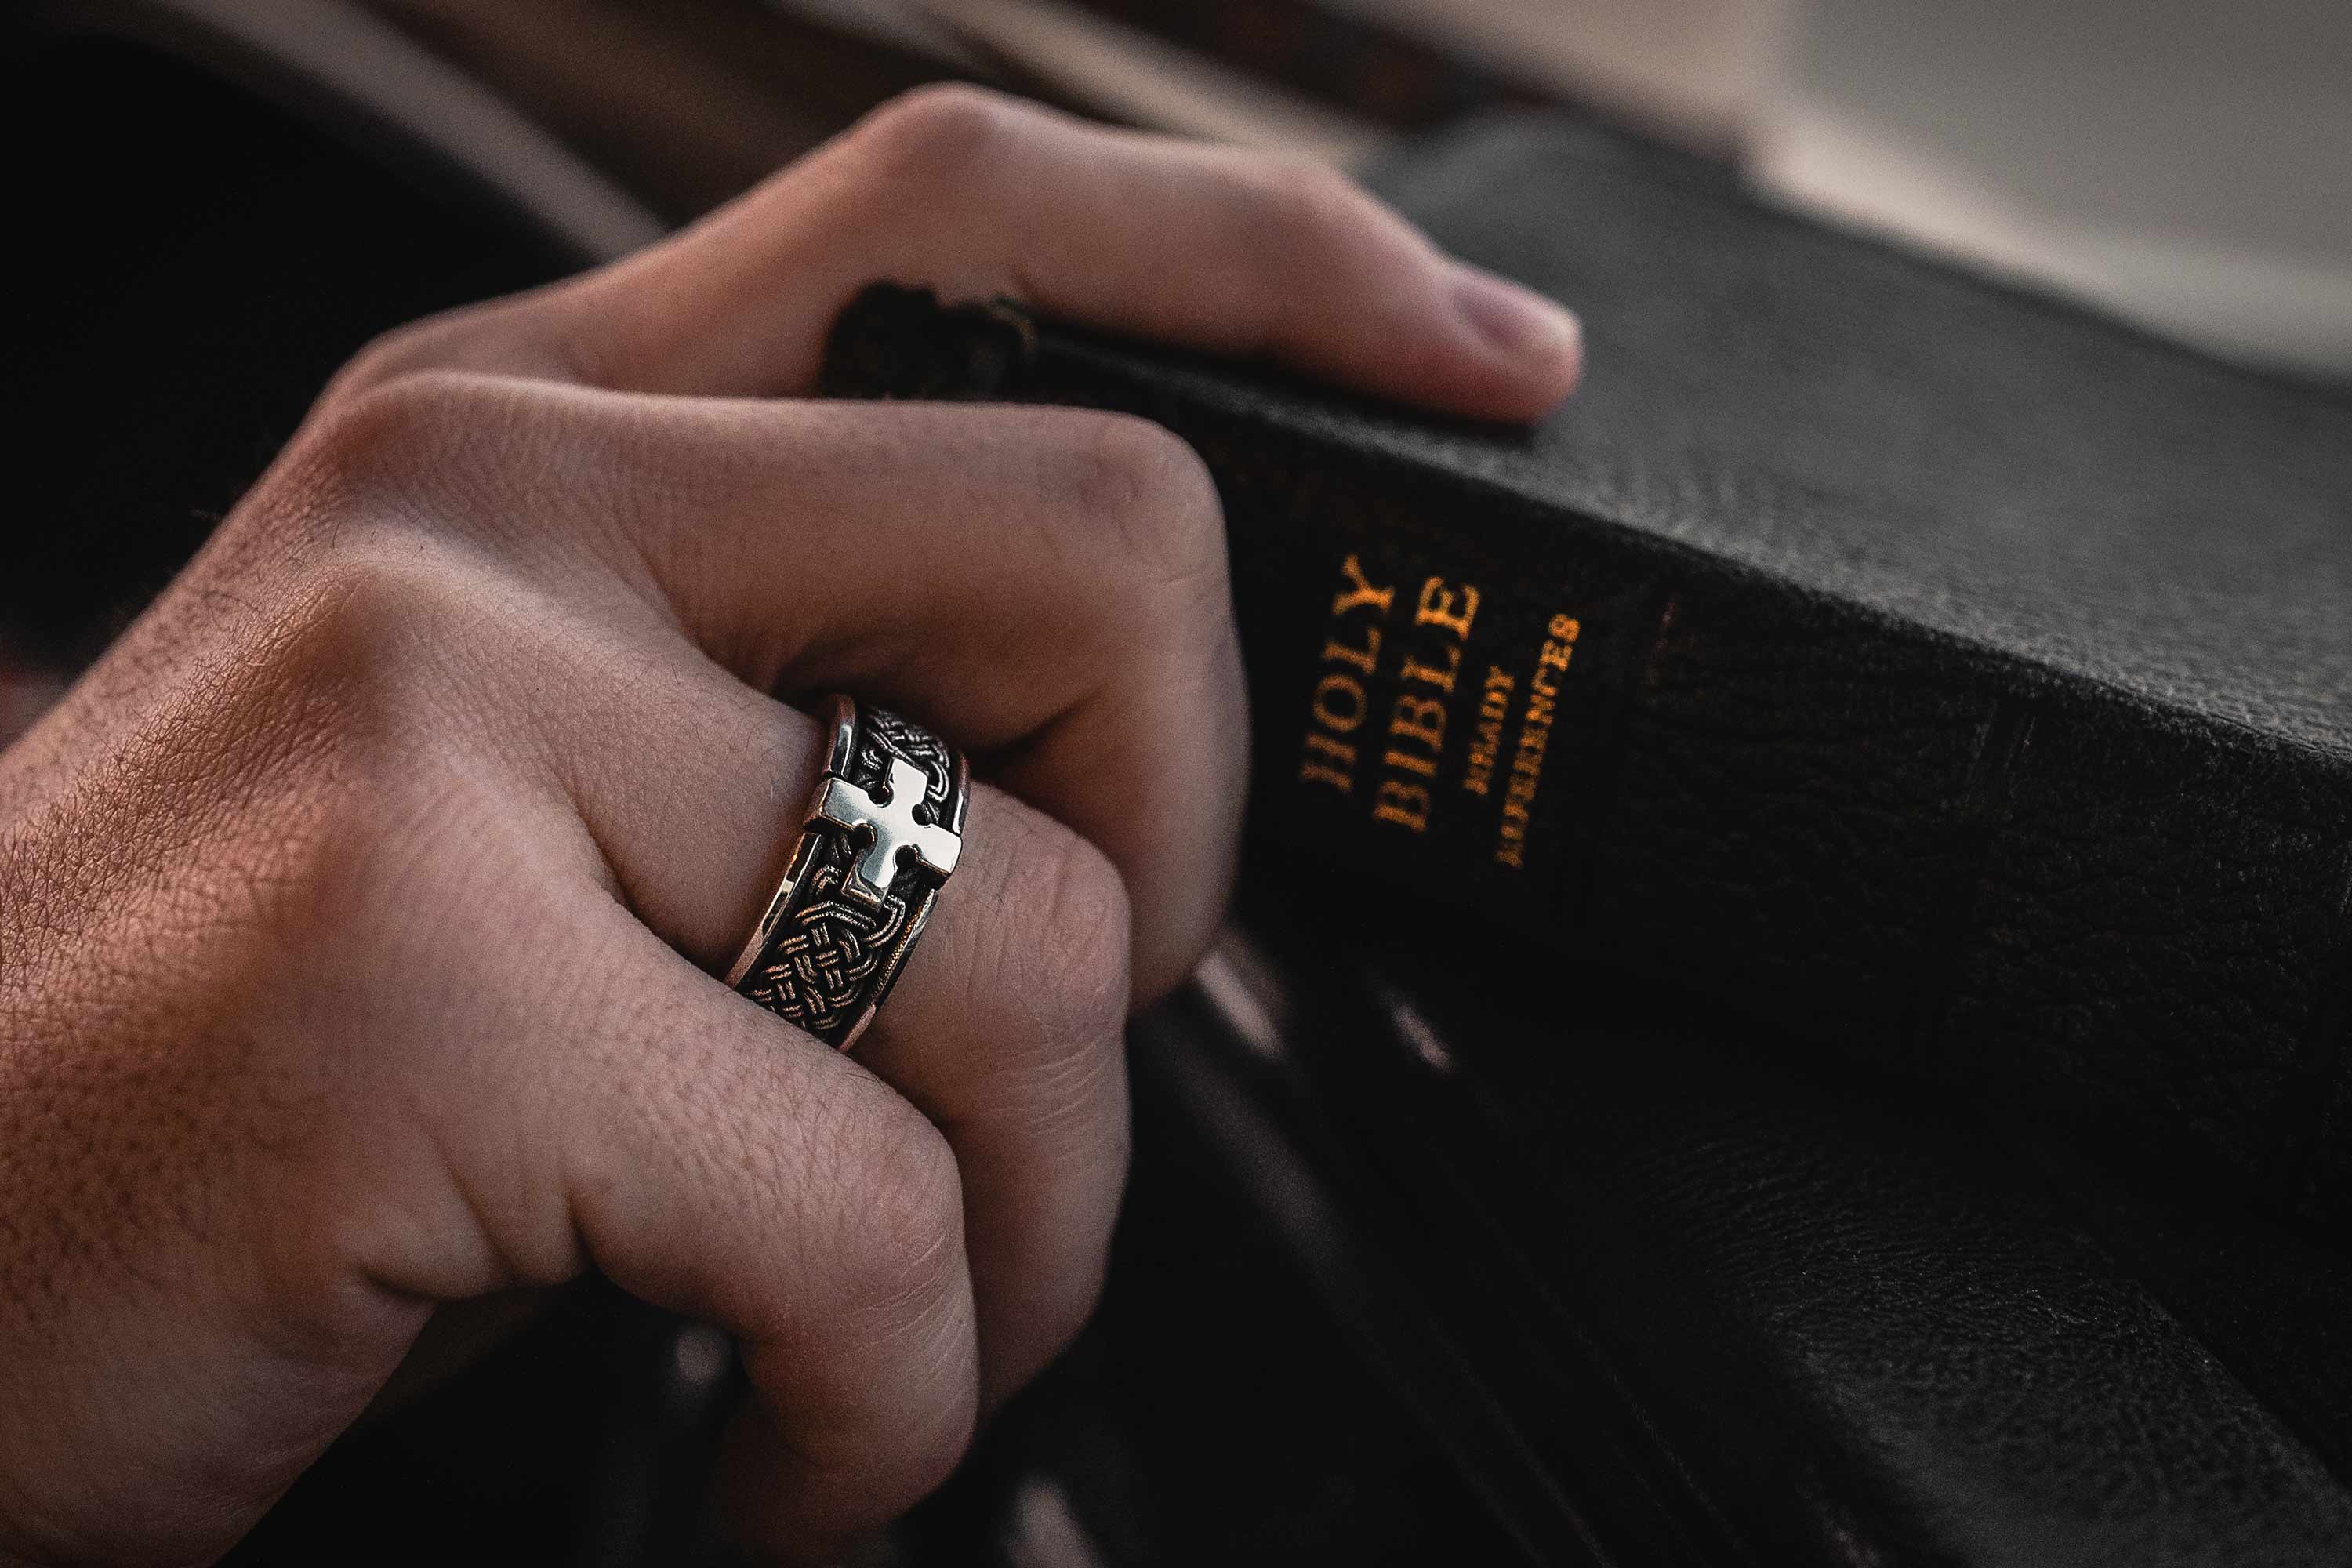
(1155, 496)
(363, 665)
(363, 612)
(907, 1237)
(1289, 197)
(430, 456)
(400, 432)
(936, 132)
(404, 349)
(341, 745)
(889, 1322)
(1074, 959)
(516, 334)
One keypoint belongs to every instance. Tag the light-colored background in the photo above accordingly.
(2185, 163)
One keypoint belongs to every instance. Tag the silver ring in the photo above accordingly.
(882, 834)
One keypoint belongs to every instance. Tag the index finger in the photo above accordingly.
(979, 196)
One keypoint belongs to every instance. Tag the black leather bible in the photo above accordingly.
(1666, 1299)
(1939, 672)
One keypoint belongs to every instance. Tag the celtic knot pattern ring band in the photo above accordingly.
(881, 837)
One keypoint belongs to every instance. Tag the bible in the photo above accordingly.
(1923, 667)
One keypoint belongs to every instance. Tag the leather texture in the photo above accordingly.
(1965, 680)
(1725, 1304)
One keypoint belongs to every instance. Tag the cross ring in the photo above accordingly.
(881, 835)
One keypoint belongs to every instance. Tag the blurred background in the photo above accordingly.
(219, 200)
(2182, 163)
(2182, 160)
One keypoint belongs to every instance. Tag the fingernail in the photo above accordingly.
(1515, 321)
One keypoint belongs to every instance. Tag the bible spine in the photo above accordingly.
(1946, 861)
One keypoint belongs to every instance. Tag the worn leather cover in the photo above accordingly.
(1940, 671)
(1669, 1294)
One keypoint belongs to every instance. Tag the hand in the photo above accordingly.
(358, 910)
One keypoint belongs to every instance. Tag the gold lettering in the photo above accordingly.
(1426, 767)
(1419, 719)
(1360, 591)
(1437, 608)
(1540, 693)
(1441, 678)
(1486, 736)
(1354, 690)
(1522, 795)
(1512, 850)
(1535, 739)
(1365, 658)
(1560, 647)
(1339, 776)
(1406, 804)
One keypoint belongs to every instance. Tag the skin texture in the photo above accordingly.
(358, 910)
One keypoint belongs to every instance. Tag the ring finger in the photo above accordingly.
(1028, 604)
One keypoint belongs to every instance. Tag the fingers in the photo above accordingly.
(979, 195)
(1005, 1030)
(888, 1257)
(1045, 586)
(724, 1165)
(1021, 579)
(1008, 1031)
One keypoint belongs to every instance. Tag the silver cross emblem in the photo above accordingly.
(893, 827)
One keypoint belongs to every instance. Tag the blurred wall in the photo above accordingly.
(2189, 163)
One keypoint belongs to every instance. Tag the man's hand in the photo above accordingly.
(358, 910)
